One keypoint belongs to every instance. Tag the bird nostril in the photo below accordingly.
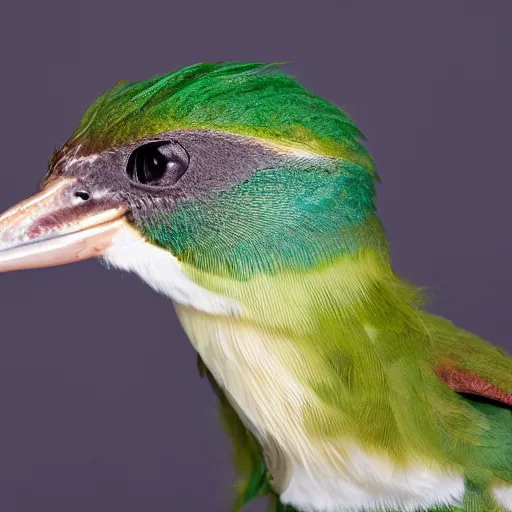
(83, 195)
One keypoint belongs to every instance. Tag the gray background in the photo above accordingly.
(101, 408)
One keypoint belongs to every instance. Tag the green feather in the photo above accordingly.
(292, 219)
(245, 98)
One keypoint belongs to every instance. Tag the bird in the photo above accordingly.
(249, 201)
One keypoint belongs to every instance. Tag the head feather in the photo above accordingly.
(253, 99)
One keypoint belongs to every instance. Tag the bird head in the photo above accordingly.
(211, 183)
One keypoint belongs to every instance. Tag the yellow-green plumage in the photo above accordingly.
(368, 355)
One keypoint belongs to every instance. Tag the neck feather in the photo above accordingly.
(347, 289)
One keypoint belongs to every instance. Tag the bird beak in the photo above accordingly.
(56, 226)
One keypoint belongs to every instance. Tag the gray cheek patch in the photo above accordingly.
(218, 161)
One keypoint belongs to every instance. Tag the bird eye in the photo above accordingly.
(159, 164)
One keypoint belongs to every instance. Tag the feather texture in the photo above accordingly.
(252, 99)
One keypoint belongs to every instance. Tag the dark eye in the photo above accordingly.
(160, 163)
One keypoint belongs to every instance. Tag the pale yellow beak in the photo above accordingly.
(55, 227)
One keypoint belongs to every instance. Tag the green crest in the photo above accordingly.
(252, 99)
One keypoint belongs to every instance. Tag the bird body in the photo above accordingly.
(249, 202)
